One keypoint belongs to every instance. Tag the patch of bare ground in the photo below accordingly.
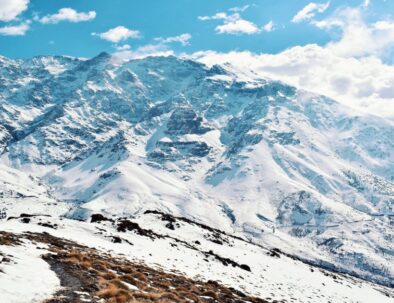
(9, 239)
(88, 275)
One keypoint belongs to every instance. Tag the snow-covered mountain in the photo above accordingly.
(253, 157)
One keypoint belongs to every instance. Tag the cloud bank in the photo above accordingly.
(366, 84)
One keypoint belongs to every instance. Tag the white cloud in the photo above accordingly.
(150, 50)
(183, 39)
(233, 24)
(358, 38)
(68, 14)
(309, 11)
(118, 34)
(217, 16)
(220, 16)
(10, 9)
(384, 25)
(366, 83)
(239, 9)
(15, 30)
(269, 27)
(238, 27)
(122, 47)
(366, 3)
(160, 49)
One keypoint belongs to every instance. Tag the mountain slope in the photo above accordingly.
(254, 157)
(155, 257)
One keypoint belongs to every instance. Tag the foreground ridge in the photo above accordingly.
(157, 257)
(89, 275)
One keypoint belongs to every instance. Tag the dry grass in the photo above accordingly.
(109, 275)
(129, 278)
(8, 239)
(115, 294)
(109, 291)
(107, 278)
(119, 284)
(210, 294)
(81, 259)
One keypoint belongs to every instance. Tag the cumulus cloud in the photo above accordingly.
(118, 34)
(10, 9)
(122, 47)
(183, 39)
(233, 24)
(358, 38)
(67, 14)
(15, 30)
(309, 11)
(237, 27)
(366, 84)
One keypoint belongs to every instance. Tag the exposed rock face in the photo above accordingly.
(4, 138)
(185, 121)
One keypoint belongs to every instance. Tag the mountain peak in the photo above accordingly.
(103, 55)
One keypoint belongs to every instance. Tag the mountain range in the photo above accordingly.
(253, 157)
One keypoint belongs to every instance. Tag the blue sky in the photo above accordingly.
(268, 25)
